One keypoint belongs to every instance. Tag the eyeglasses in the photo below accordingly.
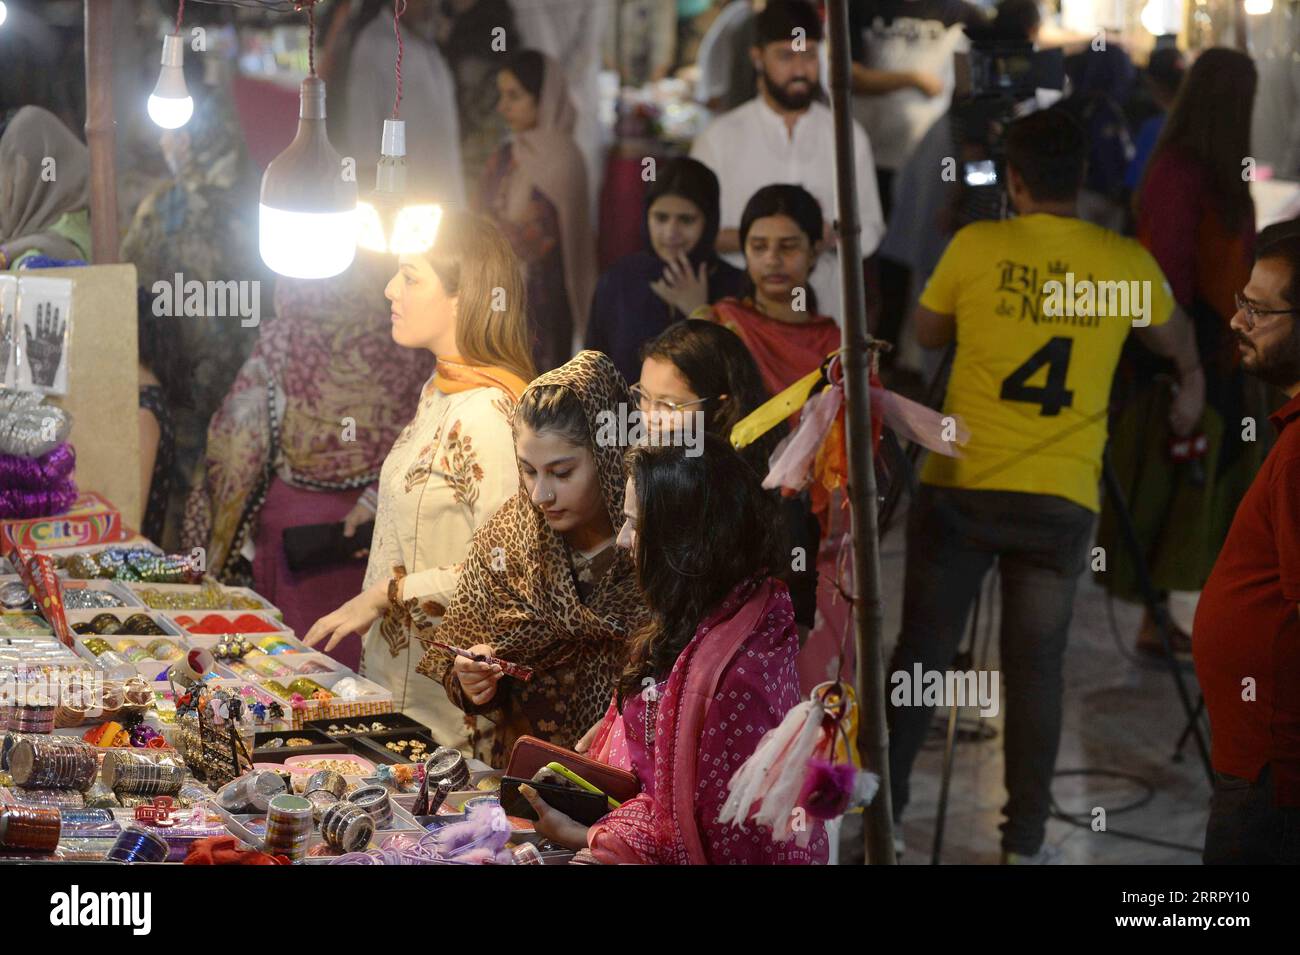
(646, 400)
(1253, 314)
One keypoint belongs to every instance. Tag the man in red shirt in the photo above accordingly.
(1246, 637)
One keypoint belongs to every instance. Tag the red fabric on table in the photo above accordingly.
(1248, 625)
(227, 850)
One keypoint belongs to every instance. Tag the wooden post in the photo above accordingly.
(100, 131)
(868, 617)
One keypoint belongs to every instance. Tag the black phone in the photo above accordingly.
(579, 805)
(318, 545)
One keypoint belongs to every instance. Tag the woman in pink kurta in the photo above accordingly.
(713, 673)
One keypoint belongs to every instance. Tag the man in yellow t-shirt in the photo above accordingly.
(1039, 307)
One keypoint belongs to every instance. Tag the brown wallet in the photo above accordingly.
(530, 754)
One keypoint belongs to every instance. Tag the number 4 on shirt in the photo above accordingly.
(1051, 397)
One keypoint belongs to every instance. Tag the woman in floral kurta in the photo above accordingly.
(447, 473)
(450, 468)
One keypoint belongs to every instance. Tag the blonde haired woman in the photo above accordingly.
(452, 466)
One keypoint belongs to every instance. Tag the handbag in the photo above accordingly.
(530, 754)
(309, 546)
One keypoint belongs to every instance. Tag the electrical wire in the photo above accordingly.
(180, 13)
(399, 7)
(1084, 820)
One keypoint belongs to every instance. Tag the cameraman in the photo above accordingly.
(1031, 376)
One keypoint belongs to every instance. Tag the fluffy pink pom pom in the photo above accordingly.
(827, 788)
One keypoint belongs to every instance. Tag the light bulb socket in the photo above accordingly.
(173, 51)
(394, 139)
(171, 78)
(311, 98)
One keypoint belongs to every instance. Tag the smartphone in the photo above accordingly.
(562, 770)
(580, 806)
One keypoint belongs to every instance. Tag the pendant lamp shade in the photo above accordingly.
(308, 211)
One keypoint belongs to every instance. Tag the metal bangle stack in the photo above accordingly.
(347, 827)
(288, 827)
(32, 719)
(135, 773)
(77, 697)
(447, 762)
(324, 788)
(30, 827)
(263, 786)
(375, 801)
(54, 762)
(138, 844)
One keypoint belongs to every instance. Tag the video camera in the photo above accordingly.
(1005, 74)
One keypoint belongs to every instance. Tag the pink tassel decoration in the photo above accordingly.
(828, 789)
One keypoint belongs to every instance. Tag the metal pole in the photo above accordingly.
(873, 739)
(100, 133)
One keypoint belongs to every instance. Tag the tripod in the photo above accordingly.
(962, 661)
(965, 657)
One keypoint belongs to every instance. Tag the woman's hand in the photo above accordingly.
(682, 287)
(478, 680)
(360, 514)
(553, 824)
(584, 744)
(355, 616)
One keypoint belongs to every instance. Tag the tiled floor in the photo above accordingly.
(1120, 715)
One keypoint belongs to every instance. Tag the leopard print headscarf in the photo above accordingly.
(517, 593)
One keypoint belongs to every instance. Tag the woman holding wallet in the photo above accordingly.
(451, 467)
(709, 675)
(544, 585)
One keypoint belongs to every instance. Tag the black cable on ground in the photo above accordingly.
(1084, 820)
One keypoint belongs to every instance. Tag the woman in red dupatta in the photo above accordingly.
(712, 673)
(776, 317)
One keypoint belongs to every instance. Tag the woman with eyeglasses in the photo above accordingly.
(776, 314)
(1196, 216)
(698, 367)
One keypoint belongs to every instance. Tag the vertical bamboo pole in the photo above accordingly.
(868, 618)
(100, 130)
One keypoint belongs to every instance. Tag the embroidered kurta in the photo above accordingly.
(447, 473)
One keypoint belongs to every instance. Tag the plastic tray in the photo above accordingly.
(294, 763)
(372, 746)
(393, 722)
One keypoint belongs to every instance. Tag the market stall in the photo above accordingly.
(150, 714)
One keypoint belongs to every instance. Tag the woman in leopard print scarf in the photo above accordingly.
(552, 593)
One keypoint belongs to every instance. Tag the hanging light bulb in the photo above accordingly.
(170, 105)
(308, 214)
(385, 222)
(1256, 8)
(4, 13)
